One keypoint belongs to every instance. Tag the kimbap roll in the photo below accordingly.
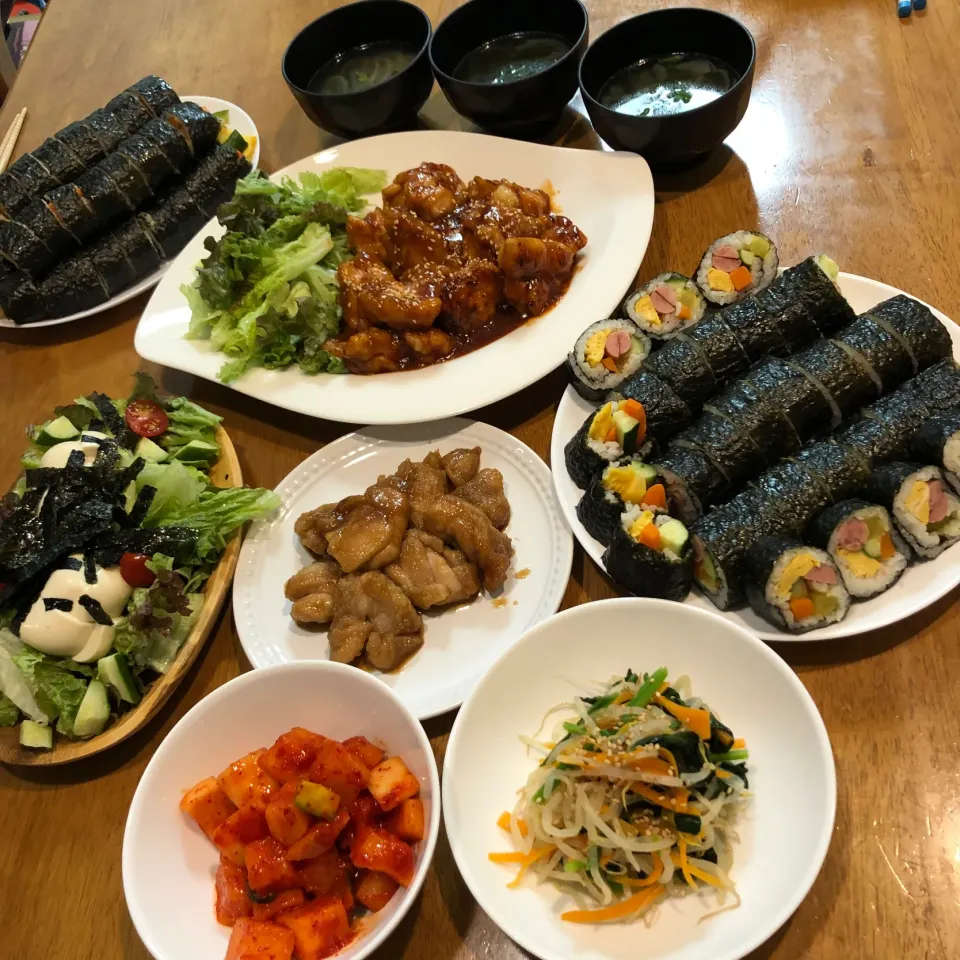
(106, 129)
(793, 586)
(155, 93)
(616, 430)
(737, 266)
(732, 450)
(148, 158)
(925, 338)
(143, 252)
(802, 401)
(23, 249)
(214, 179)
(59, 159)
(841, 468)
(756, 331)
(199, 128)
(100, 194)
(72, 286)
(650, 555)
(925, 511)
(605, 354)
(880, 350)
(13, 196)
(666, 413)
(19, 298)
(129, 110)
(626, 483)
(861, 540)
(721, 347)
(666, 305)
(170, 141)
(72, 210)
(938, 442)
(111, 262)
(41, 221)
(128, 179)
(174, 221)
(939, 387)
(82, 142)
(874, 440)
(691, 480)
(846, 382)
(760, 417)
(683, 366)
(32, 175)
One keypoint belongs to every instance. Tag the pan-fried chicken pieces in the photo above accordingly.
(461, 256)
(427, 536)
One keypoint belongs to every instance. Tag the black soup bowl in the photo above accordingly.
(392, 104)
(526, 107)
(680, 137)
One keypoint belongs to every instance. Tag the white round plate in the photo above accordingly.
(608, 195)
(784, 832)
(240, 121)
(459, 644)
(921, 583)
(169, 865)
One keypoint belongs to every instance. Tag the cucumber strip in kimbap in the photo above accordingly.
(650, 555)
(605, 354)
(691, 481)
(44, 224)
(736, 266)
(938, 442)
(22, 248)
(214, 179)
(174, 220)
(861, 539)
(793, 586)
(128, 179)
(148, 158)
(100, 193)
(71, 208)
(199, 128)
(155, 93)
(19, 298)
(626, 483)
(72, 286)
(925, 511)
(106, 129)
(666, 305)
(79, 139)
(666, 413)
(129, 110)
(170, 141)
(32, 175)
(59, 159)
(13, 196)
(616, 430)
(922, 334)
(718, 343)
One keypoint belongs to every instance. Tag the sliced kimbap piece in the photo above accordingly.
(32, 175)
(880, 350)
(666, 305)
(199, 128)
(848, 384)
(106, 129)
(938, 442)
(109, 259)
(100, 194)
(924, 336)
(155, 93)
(793, 494)
(865, 546)
(691, 481)
(605, 354)
(170, 141)
(174, 221)
(755, 330)
(73, 211)
(134, 188)
(650, 555)
(838, 467)
(760, 417)
(625, 483)
(666, 413)
(729, 448)
(82, 142)
(938, 387)
(737, 266)
(804, 402)
(129, 110)
(19, 297)
(901, 413)
(72, 286)
(793, 586)
(873, 441)
(680, 363)
(43, 223)
(24, 249)
(214, 179)
(13, 196)
(148, 158)
(59, 159)
(616, 430)
(136, 241)
(725, 356)
(925, 511)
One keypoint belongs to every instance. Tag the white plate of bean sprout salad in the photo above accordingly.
(639, 778)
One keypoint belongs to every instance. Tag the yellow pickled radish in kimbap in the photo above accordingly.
(737, 265)
(605, 354)
(617, 429)
(666, 305)
(625, 483)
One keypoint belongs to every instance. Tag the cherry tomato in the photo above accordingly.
(146, 418)
(134, 569)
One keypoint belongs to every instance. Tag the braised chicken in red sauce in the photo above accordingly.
(445, 267)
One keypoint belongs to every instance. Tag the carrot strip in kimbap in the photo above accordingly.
(625, 483)
(666, 413)
(605, 354)
(863, 543)
(794, 586)
(199, 128)
(736, 266)
(938, 442)
(666, 305)
(650, 554)
(617, 429)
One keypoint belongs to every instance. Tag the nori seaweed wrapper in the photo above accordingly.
(103, 196)
(215, 178)
(200, 128)
(106, 129)
(141, 249)
(645, 572)
(599, 509)
(846, 381)
(155, 92)
(73, 211)
(128, 179)
(59, 159)
(884, 483)
(109, 259)
(24, 250)
(938, 387)
(19, 298)
(792, 495)
(583, 464)
(924, 336)
(700, 481)
(13, 196)
(839, 468)
(755, 329)
(681, 364)
(174, 221)
(725, 355)
(903, 412)
(666, 413)
(880, 350)
(72, 286)
(170, 141)
(42, 222)
(929, 441)
(82, 142)
(760, 416)
(32, 175)
(800, 399)
(148, 158)
(875, 441)
(731, 449)
(129, 111)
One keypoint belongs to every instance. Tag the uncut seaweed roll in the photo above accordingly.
(864, 544)
(32, 175)
(625, 483)
(925, 338)
(666, 305)
(148, 158)
(793, 586)
(199, 128)
(616, 430)
(736, 266)
(605, 354)
(82, 142)
(925, 511)
(135, 190)
(72, 286)
(650, 555)
(129, 110)
(666, 413)
(19, 297)
(13, 196)
(174, 221)
(155, 93)
(59, 159)
(214, 179)
(938, 442)
(106, 128)
(170, 141)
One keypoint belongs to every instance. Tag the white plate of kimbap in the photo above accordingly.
(808, 490)
(94, 215)
(608, 196)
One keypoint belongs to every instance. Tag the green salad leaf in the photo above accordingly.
(9, 713)
(58, 690)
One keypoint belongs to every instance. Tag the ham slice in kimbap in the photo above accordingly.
(737, 266)
(666, 305)
(605, 354)
(616, 430)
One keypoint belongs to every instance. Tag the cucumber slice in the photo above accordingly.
(36, 735)
(759, 245)
(828, 266)
(115, 673)
(673, 536)
(627, 431)
(646, 471)
(151, 451)
(799, 589)
(198, 451)
(56, 431)
(747, 256)
(94, 711)
(872, 548)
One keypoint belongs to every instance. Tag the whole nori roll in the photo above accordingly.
(72, 209)
(755, 329)
(717, 342)
(32, 175)
(170, 141)
(128, 179)
(109, 259)
(137, 243)
(13, 196)
(43, 223)
(938, 442)
(72, 286)
(199, 128)
(645, 572)
(214, 179)
(681, 364)
(102, 195)
(731, 449)
(841, 469)
(848, 383)
(880, 349)
(692, 481)
(19, 298)
(174, 221)
(129, 110)
(802, 401)
(22, 248)
(924, 336)
(155, 92)
(148, 158)
(59, 159)
(666, 413)
(106, 129)
(760, 416)
(79, 138)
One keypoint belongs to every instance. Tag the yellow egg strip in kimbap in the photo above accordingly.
(666, 305)
(737, 265)
(605, 354)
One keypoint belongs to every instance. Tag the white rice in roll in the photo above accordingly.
(720, 273)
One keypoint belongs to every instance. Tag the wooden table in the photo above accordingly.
(849, 146)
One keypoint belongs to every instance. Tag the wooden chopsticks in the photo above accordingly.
(10, 139)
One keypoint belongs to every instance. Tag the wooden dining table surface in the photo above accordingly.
(849, 146)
